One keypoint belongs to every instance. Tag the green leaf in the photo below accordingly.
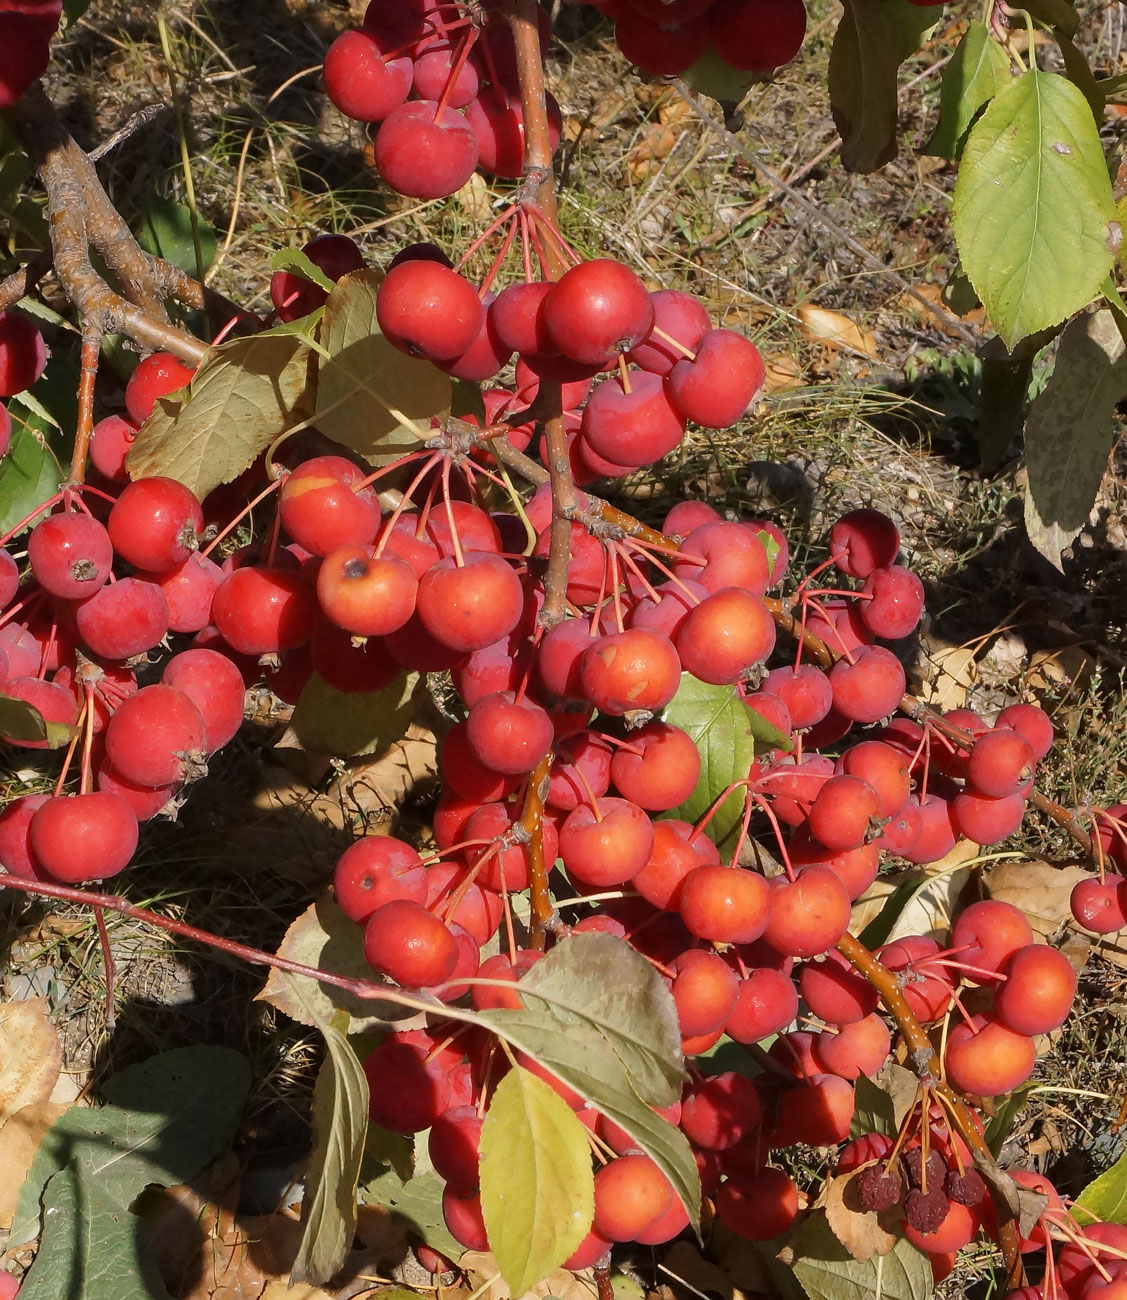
(1104, 1198)
(329, 721)
(726, 732)
(166, 231)
(999, 1127)
(978, 70)
(29, 476)
(298, 263)
(537, 1187)
(827, 1271)
(88, 1239)
(245, 393)
(22, 721)
(601, 980)
(1033, 206)
(466, 400)
(873, 38)
(1069, 432)
(323, 937)
(872, 1109)
(600, 1019)
(371, 397)
(1003, 389)
(340, 1121)
(711, 75)
(166, 1119)
(74, 9)
(417, 1199)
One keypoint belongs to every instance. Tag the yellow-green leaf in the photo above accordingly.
(370, 396)
(1033, 207)
(340, 1122)
(978, 70)
(1105, 1198)
(22, 721)
(245, 393)
(537, 1188)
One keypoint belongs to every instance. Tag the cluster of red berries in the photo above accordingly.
(670, 365)
(666, 37)
(440, 79)
(738, 948)
(26, 28)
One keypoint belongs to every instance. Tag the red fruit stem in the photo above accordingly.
(108, 965)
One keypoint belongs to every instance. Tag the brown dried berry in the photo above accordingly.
(968, 1188)
(925, 1211)
(936, 1168)
(877, 1188)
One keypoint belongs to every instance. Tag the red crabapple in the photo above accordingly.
(154, 737)
(82, 837)
(597, 310)
(631, 1192)
(985, 1058)
(154, 524)
(410, 945)
(759, 38)
(725, 904)
(424, 157)
(862, 540)
(322, 508)
(625, 672)
(471, 605)
(360, 81)
(1100, 905)
(264, 611)
(428, 311)
(23, 354)
(215, 685)
(716, 388)
(659, 767)
(1037, 993)
(123, 619)
(758, 1206)
(70, 555)
(870, 687)
(158, 375)
(726, 634)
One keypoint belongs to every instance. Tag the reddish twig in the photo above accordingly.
(928, 1068)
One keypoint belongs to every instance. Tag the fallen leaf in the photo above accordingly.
(30, 1055)
(859, 1231)
(1069, 666)
(19, 1141)
(782, 373)
(943, 673)
(833, 330)
(475, 199)
(483, 1275)
(1037, 888)
(685, 1264)
(280, 1289)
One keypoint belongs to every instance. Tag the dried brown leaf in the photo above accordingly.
(834, 331)
(859, 1231)
(20, 1138)
(484, 1276)
(685, 1264)
(30, 1055)
(782, 373)
(1038, 888)
(944, 672)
